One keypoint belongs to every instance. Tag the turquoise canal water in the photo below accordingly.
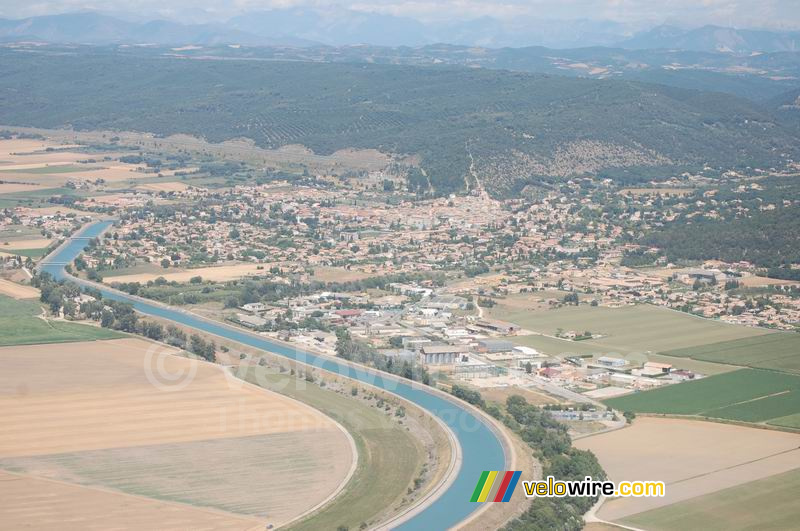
(480, 448)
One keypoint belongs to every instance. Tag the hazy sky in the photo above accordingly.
(740, 13)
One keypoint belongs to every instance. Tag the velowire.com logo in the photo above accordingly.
(505, 486)
(499, 486)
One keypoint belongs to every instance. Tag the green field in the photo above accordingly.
(642, 328)
(20, 325)
(64, 168)
(778, 351)
(769, 503)
(29, 253)
(747, 395)
(9, 233)
(138, 269)
(789, 421)
(561, 348)
(389, 457)
(32, 198)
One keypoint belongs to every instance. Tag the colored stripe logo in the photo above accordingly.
(506, 485)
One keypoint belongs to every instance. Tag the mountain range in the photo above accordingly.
(338, 26)
(715, 39)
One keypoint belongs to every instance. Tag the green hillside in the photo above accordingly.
(515, 126)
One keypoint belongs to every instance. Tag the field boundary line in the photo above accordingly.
(591, 516)
(756, 399)
(737, 465)
(226, 372)
(353, 449)
(211, 510)
(698, 418)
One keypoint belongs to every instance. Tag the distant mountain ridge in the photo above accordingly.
(715, 39)
(303, 27)
(338, 26)
(95, 28)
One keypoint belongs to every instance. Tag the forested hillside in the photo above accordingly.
(767, 239)
(512, 127)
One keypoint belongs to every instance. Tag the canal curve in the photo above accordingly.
(481, 447)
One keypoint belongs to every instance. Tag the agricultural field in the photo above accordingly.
(746, 395)
(501, 394)
(640, 328)
(759, 282)
(34, 503)
(21, 322)
(778, 351)
(338, 274)
(42, 169)
(769, 503)
(17, 291)
(693, 458)
(31, 169)
(390, 457)
(163, 187)
(12, 245)
(148, 272)
(107, 418)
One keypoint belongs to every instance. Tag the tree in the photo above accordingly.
(571, 298)
(69, 307)
(127, 322)
(165, 263)
(153, 330)
(396, 341)
(106, 319)
(529, 367)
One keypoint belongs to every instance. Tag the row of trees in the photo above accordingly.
(116, 315)
(552, 445)
(349, 349)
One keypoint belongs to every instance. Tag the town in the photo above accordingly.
(423, 281)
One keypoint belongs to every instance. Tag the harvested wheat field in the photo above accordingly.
(53, 210)
(163, 187)
(501, 394)
(214, 273)
(33, 503)
(36, 243)
(7, 187)
(757, 282)
(32, 154)
(691, 457)
(17, 291)
(339, 274)
(118, 415)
